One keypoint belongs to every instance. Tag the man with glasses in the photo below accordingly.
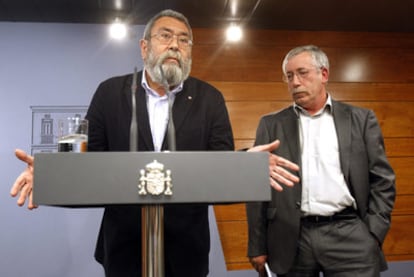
(201, 123)
(336, 218)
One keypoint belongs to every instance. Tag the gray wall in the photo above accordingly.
(62, 64)
(49, 64)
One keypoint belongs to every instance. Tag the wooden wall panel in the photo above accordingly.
(289, 39)
(400, 147)
(277, 91)
(403, 205)
(399, 239)
(255, 62)
(403, 168)
(372, 70)
(395, 118)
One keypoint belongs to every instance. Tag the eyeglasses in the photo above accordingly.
(166, 38)
(301, 74)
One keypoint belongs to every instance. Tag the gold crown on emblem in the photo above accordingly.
(155, 166)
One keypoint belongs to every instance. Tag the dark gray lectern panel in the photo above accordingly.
(104, 178)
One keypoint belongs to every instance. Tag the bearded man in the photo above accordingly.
(202, 123)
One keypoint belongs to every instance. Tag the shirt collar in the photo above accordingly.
(149, 90)
(327, 107)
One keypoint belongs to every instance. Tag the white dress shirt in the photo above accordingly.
(324, 190)
(157, 111)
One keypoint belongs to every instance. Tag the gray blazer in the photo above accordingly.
(274, 226)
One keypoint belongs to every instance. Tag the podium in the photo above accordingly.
(99, 179)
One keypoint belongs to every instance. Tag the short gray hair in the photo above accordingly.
(320, 59)
(166, 13)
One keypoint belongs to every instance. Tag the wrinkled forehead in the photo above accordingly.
(170, 24)
(300, 60)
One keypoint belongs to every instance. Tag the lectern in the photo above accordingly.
(97, 179)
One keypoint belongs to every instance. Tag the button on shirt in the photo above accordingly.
(324, 190)
(158, 111)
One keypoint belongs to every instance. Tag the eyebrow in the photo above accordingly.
(172, 31)
(297, 69)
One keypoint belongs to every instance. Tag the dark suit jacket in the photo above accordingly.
(274, 226)
(202, 123)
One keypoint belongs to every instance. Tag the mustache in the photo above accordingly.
(298, 90)
(172, 55)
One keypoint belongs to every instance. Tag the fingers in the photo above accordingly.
(287, 164)
(262, 272)
(31, 205)
(265, 147)
(23, 185)
(24, 194)
(279, 174)
(278, 166)
(275, 185)
(276, 181)
(20, 182)
(16, 186)
(258, 264)
(273, 145)
(24, 190)
(280, 161)
(23, 156)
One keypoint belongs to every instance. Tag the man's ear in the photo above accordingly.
(325, 75)
(143, 44)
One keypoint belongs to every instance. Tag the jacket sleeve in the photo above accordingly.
(96, 116)
(256, 211)
(381, 179)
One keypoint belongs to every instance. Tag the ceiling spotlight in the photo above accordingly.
(118, 29)
(234, 33)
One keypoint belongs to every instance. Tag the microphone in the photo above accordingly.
(133, 130)
(170, 126)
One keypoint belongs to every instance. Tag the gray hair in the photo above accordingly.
(320, 59)
(166, 13)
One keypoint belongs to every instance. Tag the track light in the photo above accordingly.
(118, 29)
(234, 33)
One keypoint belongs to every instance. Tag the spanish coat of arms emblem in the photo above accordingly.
(153, 180)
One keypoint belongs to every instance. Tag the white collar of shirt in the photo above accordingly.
(328, 106)
(152, 92)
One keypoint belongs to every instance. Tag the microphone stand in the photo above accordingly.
(152, 216)
(133, 130)
(170, 127)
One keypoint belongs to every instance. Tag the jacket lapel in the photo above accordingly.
(292, 136)
(342, 119)
(182, 105)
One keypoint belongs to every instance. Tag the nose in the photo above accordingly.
(295, 80)
(174, 43)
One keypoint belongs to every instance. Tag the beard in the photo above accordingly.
(172, 73)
